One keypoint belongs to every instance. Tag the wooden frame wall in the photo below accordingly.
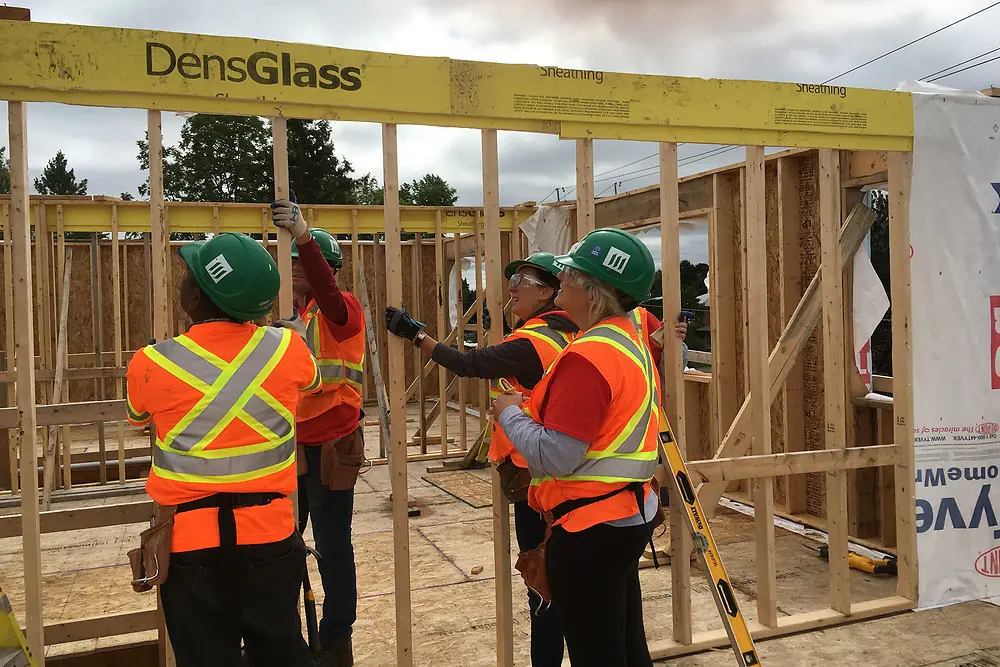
(764, 374)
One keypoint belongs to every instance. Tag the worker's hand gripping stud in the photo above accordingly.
(399, 323)
(285, 214)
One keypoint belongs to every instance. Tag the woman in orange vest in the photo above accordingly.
(223, 399)
(591, 446)
(541, 333)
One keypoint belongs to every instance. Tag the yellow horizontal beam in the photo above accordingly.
(232, 75)
(133, 216)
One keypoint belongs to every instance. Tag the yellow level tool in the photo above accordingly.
(704, 544)
(14, 651)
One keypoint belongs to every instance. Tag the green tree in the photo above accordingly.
(4, 172)
(315, 172)
(127, 196)
(58, 179)
(367, 191)
(219, 159)
(431, 190)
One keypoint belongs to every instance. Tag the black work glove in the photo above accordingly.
(400, 323)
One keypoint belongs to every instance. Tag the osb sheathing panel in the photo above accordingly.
(812, 356)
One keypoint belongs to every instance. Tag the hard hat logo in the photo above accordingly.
(218, 268)
(617, 260)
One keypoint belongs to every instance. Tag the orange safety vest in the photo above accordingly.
(625, 450)
(341, 365)
(223, 399)
(548, 343)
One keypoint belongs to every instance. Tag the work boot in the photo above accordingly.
(340, 654)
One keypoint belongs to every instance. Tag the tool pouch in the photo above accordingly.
(514, 480)
(341, 461)
(661, 516)
(301, 465)
(151, 561)
(533, 569)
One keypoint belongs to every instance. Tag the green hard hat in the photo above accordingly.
(614, 257)
(545, 261)
(236, 273)
(327, 245)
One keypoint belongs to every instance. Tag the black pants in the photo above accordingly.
(331, 512)
(546, 633)
(594, 577)
(207, 618)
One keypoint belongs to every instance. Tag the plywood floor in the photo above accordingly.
(85, 573)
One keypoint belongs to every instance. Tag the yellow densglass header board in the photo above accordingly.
(181, 72)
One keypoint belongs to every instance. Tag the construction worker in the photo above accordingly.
(590, 441)
(540, 334)
(223, 399)
(329, 432)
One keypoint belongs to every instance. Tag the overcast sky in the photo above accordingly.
(791, 40)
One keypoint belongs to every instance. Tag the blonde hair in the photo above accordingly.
(603, 297)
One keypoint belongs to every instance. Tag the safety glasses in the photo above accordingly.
(519, 279)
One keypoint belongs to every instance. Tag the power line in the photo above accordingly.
(911, 43)
(842, 74)
(964, 69)
(927, 77)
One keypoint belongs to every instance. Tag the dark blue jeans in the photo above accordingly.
(546, 633)
(331, 513)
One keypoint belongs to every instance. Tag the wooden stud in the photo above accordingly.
(25, 351)
(482, 392)
(279, 134)
(159, 247)
(501, 507)
(95, 291)
(216, 227)
(380, 297)
(789, 238)
(8, 302)
(397, 414)
(796, 463)
(49, 467)
(673, 383)
(460, 343)
(42, 303)
(900, 175)
(418, 297)
(159, 240)
(757, 351)
(586, 219)
(442, 309)
(722, 282)
(835, 422)
(65, 445)
(884, 435)
(117, 302)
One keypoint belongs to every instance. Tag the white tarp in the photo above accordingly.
(955, 273)
(548, 230)
(870, 305)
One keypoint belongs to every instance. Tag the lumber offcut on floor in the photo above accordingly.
(85, 574)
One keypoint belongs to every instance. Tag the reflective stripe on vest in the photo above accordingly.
(624, 459)
(332, 371)
(231, 390)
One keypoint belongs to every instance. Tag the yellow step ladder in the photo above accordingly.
(14, 651)
(704, 544)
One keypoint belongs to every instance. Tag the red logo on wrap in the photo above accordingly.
(995, 341)
(988, 428)
(988, 564)
(863, 369)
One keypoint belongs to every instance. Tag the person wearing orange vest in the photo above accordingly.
(329, 433)
(223, 400)
(590, 441)
(541, 333)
